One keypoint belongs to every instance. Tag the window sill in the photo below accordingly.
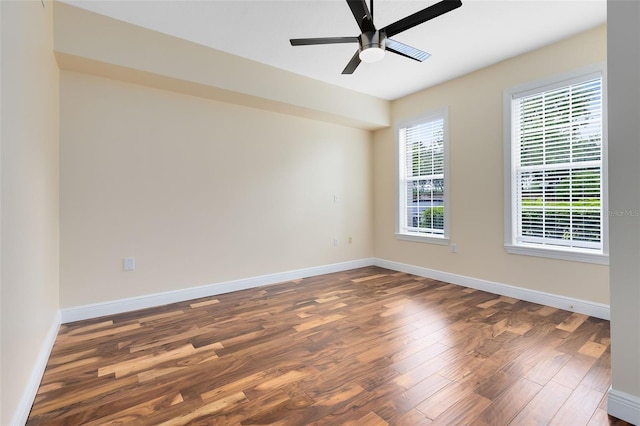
(444, 241)
(596, 258)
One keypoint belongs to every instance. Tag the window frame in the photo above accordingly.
(432, 115)
(510, 200)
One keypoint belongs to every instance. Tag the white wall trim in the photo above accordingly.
(21, 414)
(597, 310)
(96, 310)
(624, 406)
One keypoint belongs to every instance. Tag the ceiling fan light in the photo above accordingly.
(371, 54)
(372, 46)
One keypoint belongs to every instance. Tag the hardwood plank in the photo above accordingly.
(204, 303)
(543, 371)
(464, 411)
(422, 390)
(593, 349)
(543, 407)
(448, 396)
(109, 332)
(572, 373)
(137, 413)
(573, 322)
(204, 411)
(413, 418)
(599, 376)
(503, 381)
(507, 405)
(579, 407)
(369, 419)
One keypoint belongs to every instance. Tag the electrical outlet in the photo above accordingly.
(454, 248)
(335, 242)
(129, 264)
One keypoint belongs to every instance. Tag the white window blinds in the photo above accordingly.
(422, 178)
(557, 152)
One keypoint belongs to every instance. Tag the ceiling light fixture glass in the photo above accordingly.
(372, 54)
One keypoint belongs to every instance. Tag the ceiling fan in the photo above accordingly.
(373, 42)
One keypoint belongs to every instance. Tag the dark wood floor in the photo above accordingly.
(368, 347)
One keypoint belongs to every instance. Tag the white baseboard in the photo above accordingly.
(28, 396)
(597, 310)
(624, 406)
(158, 299)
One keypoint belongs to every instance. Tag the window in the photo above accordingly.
(422, 178)
(554, 163)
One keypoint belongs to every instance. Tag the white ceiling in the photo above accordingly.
(479, 33)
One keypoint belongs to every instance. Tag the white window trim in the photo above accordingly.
(509, 206)
(440, 113)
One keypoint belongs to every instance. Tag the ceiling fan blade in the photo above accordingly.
(406, 51)
(322, 40)
(353, 64)
(362, 14)
(421, 16)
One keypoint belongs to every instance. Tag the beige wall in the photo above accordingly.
(199, 191)
(29, 195)
(476, 177)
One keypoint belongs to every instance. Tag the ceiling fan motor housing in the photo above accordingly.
(372, 39)
(372, 45)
